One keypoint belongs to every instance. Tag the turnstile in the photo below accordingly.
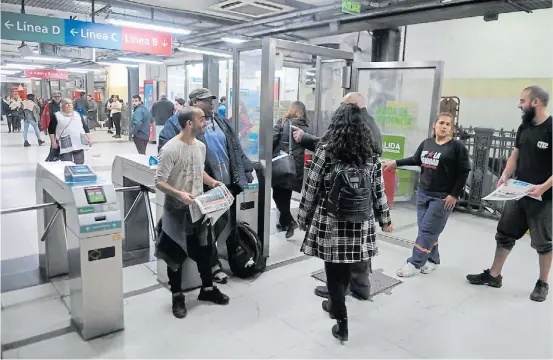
(92, 231)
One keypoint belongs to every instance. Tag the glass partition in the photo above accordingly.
(248, 119)
(176, 82)
(331, 93)
(195, 76)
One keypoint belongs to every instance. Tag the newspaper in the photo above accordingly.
(213, 204)
(511, 190)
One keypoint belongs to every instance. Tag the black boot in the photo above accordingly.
(340, 330)
(326, 307)
(179, 307)
(290, 230)
(26, 144)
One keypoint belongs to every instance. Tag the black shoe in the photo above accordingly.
(485, 278)
(290, 232)
(215, 296)
(110, 132)
(26, 144)
(179, 308)
(327, 309)
(340, 330)
(321, 291)
(540, 291)
(281, 227)
(41, 142)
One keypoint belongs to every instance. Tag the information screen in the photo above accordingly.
(81, 170)
(95, 195)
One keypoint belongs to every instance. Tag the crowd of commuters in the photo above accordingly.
(199, 150)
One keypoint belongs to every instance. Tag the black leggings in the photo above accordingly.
(117, 122)
(203, 262)
(283, 198)
(338, 276)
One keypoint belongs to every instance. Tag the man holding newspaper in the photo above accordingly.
(181, 176)
(529, 196)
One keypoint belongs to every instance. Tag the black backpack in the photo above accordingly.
(245, 252)
(350, 196)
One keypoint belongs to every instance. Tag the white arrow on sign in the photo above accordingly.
(8, 24)
(87, 228)
(164, 43)
(73, 32)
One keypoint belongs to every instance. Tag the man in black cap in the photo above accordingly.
(225, 159)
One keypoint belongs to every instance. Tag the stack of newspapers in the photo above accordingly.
(212, 204)
(511, 190)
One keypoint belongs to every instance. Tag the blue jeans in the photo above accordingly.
(431, 219)
(26, 129)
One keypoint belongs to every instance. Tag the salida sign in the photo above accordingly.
(51, 30)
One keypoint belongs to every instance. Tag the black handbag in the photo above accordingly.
(284, 166)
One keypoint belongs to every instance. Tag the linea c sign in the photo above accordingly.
(46, 74)
(16, 26)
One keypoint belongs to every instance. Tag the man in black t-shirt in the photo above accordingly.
(530, 161)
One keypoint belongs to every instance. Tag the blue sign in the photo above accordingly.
(86, 34)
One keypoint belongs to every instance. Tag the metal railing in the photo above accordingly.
(489, 150)
(144, 190)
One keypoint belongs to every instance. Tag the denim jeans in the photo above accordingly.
(26, 129)
(431, 219)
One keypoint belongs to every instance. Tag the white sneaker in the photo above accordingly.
(408, 270)
(428, 267)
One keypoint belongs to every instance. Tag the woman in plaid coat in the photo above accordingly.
(341, 243)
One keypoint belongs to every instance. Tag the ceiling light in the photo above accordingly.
(233, 40)
(9, 72)
(82, 70)
(47, 58)
(142, 61)
(104, 63)
(22, 66)
(205, 52)
(132, 24)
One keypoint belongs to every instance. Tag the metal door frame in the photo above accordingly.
(268, 46)
(437, 66)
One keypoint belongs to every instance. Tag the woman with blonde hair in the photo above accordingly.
(282, 190)
(69, 133)
(445, 167)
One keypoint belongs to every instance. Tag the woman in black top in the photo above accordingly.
(282, 192)
(445, 167)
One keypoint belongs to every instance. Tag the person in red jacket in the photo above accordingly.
(50, 109)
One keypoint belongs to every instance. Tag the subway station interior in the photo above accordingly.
(80, 277)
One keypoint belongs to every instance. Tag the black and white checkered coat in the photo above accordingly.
(332, 240)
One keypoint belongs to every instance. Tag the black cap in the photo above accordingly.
(200, 94)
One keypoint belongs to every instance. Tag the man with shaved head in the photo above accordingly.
(531, 162)
(359, 283)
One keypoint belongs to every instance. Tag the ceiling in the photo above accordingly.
(297, 20)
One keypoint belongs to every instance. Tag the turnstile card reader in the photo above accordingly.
(79, 174)
(90, 240)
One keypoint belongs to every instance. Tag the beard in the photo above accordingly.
(528, 115)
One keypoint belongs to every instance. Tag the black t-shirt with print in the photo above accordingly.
(534, 158)
(444, 168)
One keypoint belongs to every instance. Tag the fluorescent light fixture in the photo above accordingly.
(132, 24)
(47, 58)
(233, 40)
(22, 66)
(105, 63)
(204, 52)
(9, 72)
(81, 70)
(141, 61)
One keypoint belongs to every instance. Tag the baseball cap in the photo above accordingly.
(200, 94)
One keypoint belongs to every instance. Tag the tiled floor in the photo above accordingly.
(276, 315)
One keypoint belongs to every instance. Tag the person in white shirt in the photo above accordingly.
(69, 133)
(115, 110)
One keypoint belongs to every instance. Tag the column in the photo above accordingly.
(133, 88)
(211, 74)
(386, 44)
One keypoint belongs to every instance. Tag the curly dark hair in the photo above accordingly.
(349, 138)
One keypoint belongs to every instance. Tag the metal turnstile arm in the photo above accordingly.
(51, 222)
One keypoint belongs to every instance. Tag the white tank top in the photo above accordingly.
(70, 132)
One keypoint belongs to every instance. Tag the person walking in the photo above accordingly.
(16, 112)
(296, 116)
(445, 167)
(115, 108)
(140, 128)
(530, 161)
(91, 113)
(338, 233)
(31, 112)
(6, 110)
(69, 133)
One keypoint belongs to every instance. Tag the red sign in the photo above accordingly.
(146, 41)
(47, 74)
